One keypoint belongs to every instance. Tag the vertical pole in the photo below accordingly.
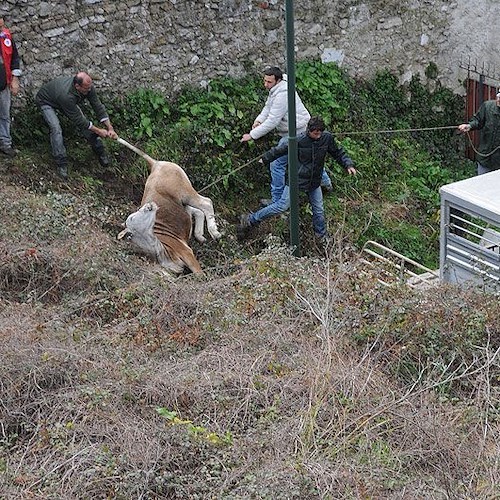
(292, 130)
(444, 272)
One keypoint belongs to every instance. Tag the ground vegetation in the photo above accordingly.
(270, 376)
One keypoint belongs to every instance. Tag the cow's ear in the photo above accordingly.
(126, 233)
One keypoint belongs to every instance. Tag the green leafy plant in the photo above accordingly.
(325, 89)
(196, 431)
(144, 111)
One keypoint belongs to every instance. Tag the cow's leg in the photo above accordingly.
(175, 268)
(187, 256)
(176, 260)
(199, 222)
(206, 206)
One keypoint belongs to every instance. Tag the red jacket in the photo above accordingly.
(9, 55)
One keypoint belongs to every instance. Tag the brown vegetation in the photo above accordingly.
(268, 377)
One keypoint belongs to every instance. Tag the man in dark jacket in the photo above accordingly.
(9, 85)
(65, 94)
(487, 120)
(313, 146)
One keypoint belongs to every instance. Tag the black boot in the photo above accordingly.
(98, 148)
(62, 167)
(9, 151)
(103, 158)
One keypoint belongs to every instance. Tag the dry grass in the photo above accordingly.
(290, 378)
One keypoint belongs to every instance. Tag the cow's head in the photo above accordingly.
(162, 239)
(139, 226)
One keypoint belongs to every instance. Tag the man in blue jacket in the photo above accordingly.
(313, 146)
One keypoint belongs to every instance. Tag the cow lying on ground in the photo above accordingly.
(162, 226)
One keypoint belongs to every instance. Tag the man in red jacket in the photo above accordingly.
(9, 85)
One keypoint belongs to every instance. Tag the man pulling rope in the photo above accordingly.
(487, 120)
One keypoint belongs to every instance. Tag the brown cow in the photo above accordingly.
(162, 226)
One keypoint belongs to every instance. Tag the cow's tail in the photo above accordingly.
(148, 158)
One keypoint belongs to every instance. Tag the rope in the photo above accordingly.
(391, 131)
(484, 155)
(361, 132)
(230, 173)
(337, 133)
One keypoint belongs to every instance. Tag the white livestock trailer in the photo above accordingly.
(469, 240)
(470, 231)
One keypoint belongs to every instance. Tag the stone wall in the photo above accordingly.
(163, 44)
